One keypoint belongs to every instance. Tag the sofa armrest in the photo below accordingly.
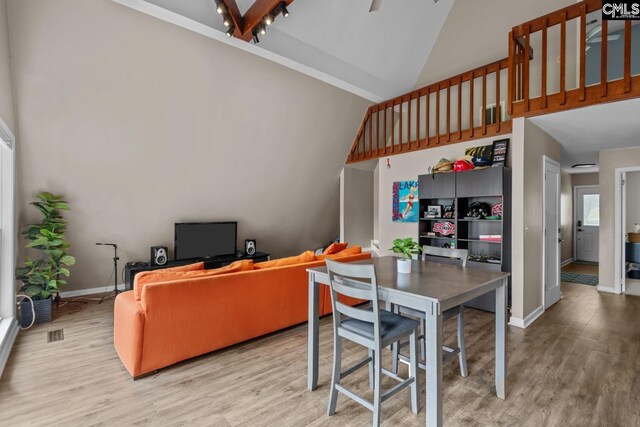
(128, 331)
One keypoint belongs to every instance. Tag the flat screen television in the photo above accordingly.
(204, 239)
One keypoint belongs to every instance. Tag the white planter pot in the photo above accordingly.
(404, 266)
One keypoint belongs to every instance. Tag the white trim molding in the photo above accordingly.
(566, 262)
(619, 242)
(8, 333)
(527, 321)
(607, 290)
(91, 291)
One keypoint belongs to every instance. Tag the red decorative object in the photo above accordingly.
(462, 165)
(497, 209)
(445, 228)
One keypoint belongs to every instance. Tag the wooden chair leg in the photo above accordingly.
(377, 389)
(413, 372)
(335, 378)
(462, 355)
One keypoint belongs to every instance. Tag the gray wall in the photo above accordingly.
(141, 124)
(476, 33)
(358, 205)
(529, 145)
(585, 179)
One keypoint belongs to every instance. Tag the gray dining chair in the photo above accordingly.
(373, 328)
(455, 256)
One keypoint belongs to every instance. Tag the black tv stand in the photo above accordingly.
(133, 268)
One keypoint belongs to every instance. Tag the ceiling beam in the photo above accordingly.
(236, 17)
(256, 13)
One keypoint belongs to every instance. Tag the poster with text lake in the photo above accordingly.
(405, 204)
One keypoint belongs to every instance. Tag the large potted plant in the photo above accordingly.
(406, 248)
(42, 275)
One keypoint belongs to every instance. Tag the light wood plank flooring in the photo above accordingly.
(577, 365)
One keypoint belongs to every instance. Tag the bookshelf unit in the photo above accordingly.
(491, 186)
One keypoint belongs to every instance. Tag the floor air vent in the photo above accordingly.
(57, 335)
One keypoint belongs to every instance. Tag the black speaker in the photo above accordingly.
(250, 246)
(159, 255)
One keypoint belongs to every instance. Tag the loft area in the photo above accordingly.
(546, 71)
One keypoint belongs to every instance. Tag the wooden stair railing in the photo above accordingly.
(432, 116)
(531, 95)
(454, 110)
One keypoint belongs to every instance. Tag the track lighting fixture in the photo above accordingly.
(227, 21)
(283, 7)
(256, 40)
(262, 29)
(220, 8)
(268, 19)
(230, 31)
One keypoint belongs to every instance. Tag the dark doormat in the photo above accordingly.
(583, 279)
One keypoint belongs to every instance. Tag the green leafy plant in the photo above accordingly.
(42, 276)
(407, 247)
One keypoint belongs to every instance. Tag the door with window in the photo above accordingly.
(587, 223)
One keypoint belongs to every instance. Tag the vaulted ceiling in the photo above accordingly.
(379, 54)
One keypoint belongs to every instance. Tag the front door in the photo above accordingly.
(552, 236)
(587, 223)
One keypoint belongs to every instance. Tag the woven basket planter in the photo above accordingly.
(42, 308)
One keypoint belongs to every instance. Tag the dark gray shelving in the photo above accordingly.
(492, 186)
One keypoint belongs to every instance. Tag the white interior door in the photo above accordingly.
(552, 238)
(587, 223)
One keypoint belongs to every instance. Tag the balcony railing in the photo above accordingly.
(579, 60)
(567, 59)
(465, 107)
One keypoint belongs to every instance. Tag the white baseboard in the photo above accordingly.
(8, 333)
(527, 321)
(90, 291)
(606, 289)
(566, 262)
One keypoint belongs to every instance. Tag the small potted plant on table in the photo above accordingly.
(41, 276)
(407, 248)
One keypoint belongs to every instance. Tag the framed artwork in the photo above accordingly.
(448, 211)
(405, 206)
(433, 211)
(500, 151)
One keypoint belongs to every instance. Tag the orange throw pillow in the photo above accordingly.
(148, 276)
(308, 256)
(335, 248)
(169, 274)
(189, 267)
(354, 250)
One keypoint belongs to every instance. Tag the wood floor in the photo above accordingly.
(577, 365)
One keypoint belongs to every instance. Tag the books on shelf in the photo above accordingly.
(491, 238)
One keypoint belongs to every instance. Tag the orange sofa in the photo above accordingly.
(159, 324)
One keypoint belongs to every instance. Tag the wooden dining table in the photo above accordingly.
(431, 288)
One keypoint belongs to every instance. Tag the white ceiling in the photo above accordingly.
(381, 53)
(584, 132)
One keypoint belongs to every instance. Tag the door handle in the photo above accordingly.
(580, 229)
